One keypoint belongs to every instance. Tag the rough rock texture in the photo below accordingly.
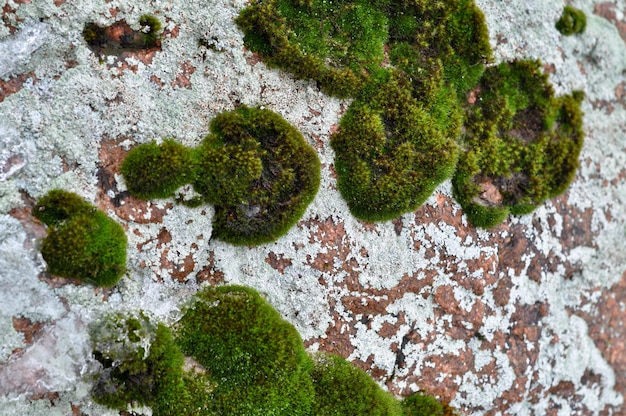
(523, 319)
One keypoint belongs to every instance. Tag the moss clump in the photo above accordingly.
(343, 389)
(256, 358)
(241, 359)
(521, 144)
(331, 42)
(572, 22)
(254, 167)
(429, 40)
(142, 365)
(419, 404)
(390, 152)
(404, 67)
(259, 173)
(82, 242)
(155, 171)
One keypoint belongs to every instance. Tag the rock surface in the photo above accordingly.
(523, 319)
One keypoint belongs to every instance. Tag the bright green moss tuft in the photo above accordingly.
(157, 170)
(390, 153)
(331, 42)
(343, 389)
(573, 21)
(522, 144)
(256, 358)
(422, 405)
(82, 242)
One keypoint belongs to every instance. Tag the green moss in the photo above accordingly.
(446, 39)
(259, 172)
(249, 361)
(331, 42)
(255, 356)
(82, 242)
(422, 405)
(156, 171)
(397, 141)
(573, 21)
(521, 144)
(390, 153)
(343, 389)
(151, 28)
(142, 365)
(255, 167)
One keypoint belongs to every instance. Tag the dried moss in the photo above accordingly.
(120, 37)
(142, 365)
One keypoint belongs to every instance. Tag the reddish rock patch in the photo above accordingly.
(28, 328)
(278, 261)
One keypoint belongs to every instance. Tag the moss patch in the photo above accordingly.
(261, 179)
(245, 360)
(390, 152)
(572, 22)
(142, 365)
(521, 144)
(412, 70)
(404, 67)
(256, 358)
(156, 171)
(343, 389)
(255, 167)
(82, 242)
(422, 405)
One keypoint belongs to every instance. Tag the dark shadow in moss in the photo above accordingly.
(155, 377)
(572, 22)
(120, 37)
(521, 144)
(82, 242)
